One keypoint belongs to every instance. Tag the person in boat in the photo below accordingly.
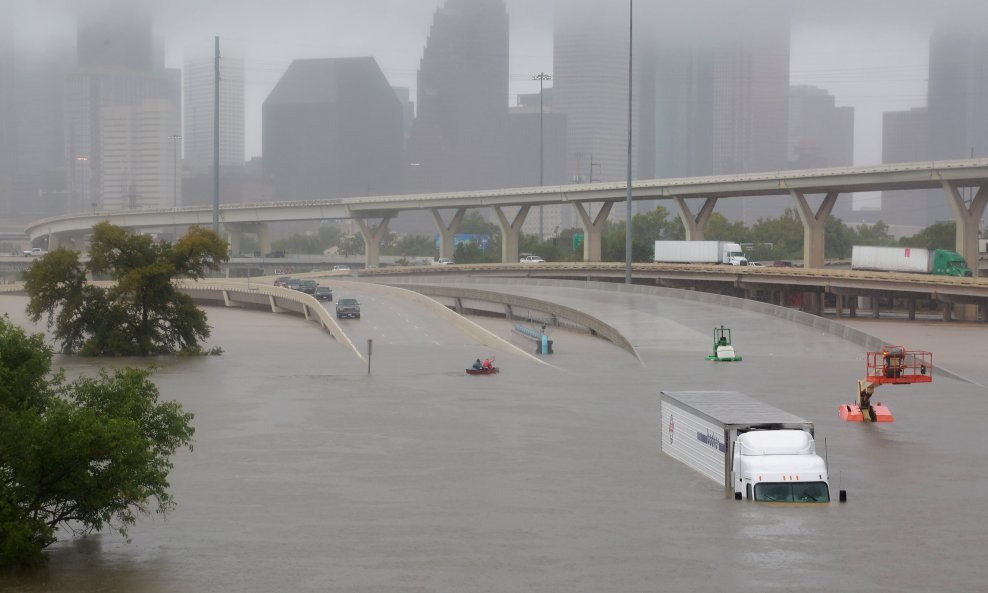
(488, 363)
(478, 365)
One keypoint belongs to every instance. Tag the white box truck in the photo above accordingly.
(940, 262)
(758, 451)
(700, 252)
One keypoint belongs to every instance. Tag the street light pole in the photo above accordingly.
(541, 77)
(627, 238)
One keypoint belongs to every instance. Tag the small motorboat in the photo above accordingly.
(487, 371)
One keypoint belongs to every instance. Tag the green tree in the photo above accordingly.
(942, 235)
(87, 455)
(875, 235)
(142, 313)
(719, 229)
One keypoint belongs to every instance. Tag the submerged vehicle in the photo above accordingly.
(723, 349)
(756, 450)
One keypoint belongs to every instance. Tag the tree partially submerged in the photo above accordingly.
(85, 455)
(141, 313)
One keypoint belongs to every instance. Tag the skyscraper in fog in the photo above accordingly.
(590, 87)
(8, 123)
(332, 128)
(459, 139)
(118, 102)
(197, 134)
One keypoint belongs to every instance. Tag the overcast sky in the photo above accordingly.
(871, 55)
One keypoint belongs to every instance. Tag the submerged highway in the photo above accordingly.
(311, 474)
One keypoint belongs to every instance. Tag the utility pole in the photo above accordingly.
(216, 138)
(541, 77)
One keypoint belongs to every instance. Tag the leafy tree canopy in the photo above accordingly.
(141, 313)
(84, 455)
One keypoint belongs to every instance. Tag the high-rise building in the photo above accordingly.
(332, 128)
(905, 139)
(535, 160)
(590, 87)
(821, 135)
(118, 88)
(8, 125)
(459, 139)
(958, 94)
(199, 107)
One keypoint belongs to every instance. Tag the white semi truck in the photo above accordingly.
(940, 262)
(756, 450)
(700, 252)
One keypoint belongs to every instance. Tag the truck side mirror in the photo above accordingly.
(842, 496)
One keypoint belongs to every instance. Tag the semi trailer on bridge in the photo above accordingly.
(941, 262)
(700, 252)
(756, 450)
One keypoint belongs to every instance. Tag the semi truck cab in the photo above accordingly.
(779, 466)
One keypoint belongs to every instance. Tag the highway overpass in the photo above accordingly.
(511, 206)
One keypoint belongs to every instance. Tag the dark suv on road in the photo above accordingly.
(347, 308)
(323, 293)
(308, 286)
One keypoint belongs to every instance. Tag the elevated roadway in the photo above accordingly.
(511, 206)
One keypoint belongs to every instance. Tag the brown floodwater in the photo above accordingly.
(309, 474)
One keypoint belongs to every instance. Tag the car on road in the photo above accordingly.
(323, 293)
(444, 261)
(341, 268)
(293, 283)
(36, 252)
(308, 286)
(347, 308)
(531, 259)
(756, 264)
(281, 280)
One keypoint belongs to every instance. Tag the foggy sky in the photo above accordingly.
(870, 55)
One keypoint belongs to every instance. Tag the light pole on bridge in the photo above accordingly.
(541, 77)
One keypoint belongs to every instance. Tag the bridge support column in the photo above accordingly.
(447, 232)
(968, 220)
(813, 225)
(235, 235)
(372, 239)
(54, 241)
(264, 238)
(912, 307)
(592, 229)
(695, 226)
(509, 233)
(839, 305)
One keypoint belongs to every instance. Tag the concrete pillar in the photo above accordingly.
(695, 225)
(813, 225)
(509, 232)
(234, 235)
(372, 239)
(447, 232)
(967, 218)
(874, 305)
(264, 238)
(852, 307)
(592, 229)
(839, 305)
(54, 241)
(912, 307)
(948, 309)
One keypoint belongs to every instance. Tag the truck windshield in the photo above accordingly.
(792, 492)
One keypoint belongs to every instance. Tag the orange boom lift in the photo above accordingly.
(895, 365)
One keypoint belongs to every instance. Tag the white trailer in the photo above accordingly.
(758, 451)
(700, 252)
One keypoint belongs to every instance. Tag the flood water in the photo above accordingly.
(309, 474)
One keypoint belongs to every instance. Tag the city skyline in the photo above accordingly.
(875, 61)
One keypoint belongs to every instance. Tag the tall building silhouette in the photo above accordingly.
(198, 109)
(459, 139)
(332, 128)
(590, 87)
(121, 105)
(8, 124)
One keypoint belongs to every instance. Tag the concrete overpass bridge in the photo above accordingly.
(813, 194)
